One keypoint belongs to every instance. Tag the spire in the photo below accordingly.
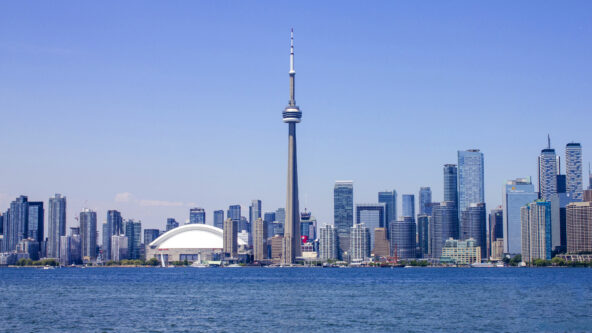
(548, 141)
(292, 71)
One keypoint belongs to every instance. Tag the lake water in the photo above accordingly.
(295, 299)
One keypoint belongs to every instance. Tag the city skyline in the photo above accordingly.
(153, 157)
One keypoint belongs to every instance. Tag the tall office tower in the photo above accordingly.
(119, 248)
(359, 242)
(197, 216)
(389, 198)
(150, 235)
(16, 223)
(171, 224)
(292, 115)
(496, 227)
(382, 246)
(234, 212)
(517, 193)
(328, 243)
(280, 215)
(254, 211)
(133, 232)
(471, 187)
(36, 221)
(230, 235)
(423, 235)
(372, 216)
(408, 205)
(443, 225)
(56, 225)
(559, 202)
(589, 178)
(71, 248)
(114, 226)
(88, 231)
(259, 240)
(548, 171)
(579, 226)
(269, 218)
(451, 183)
(403, 236)
(425, 201)
(343, 213)
(219, 219)
(573, 170)
(561, 184)
(536, 231)
(473, 225)
(106, 242)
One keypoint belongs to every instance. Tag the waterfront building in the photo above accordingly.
(328, 243)
(516, 194)
(423, 234)
(443, 225)
(496, 227)
(197, 215)
(277, 248)
(425, 201)
(114, 226)
(259, 239)
(254, 211)
(548, 171)
(30, 247)
(579, 226)
(343, 213)
(230, 245)
(133, 232)
(88, 231)
(389, 198)
(471, 187)
(497, 249)
(36, 221)
(359, 242)
(536, 231)
(150, 235)
(56, 224)
(219, 219)
(559, 202)
(16, 223)
(408, 205)
(119, 248)
(573, 170)
(382, 246)
(473, 225)
(403, 236)
(71, 248)
(451, 183)
(372, 216)
(461, 252)
(171, 224)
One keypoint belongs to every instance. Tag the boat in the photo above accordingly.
(482, 265)
(48, 267)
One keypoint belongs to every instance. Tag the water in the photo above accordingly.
(296, 299)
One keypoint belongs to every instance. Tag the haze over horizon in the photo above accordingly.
(152, 109)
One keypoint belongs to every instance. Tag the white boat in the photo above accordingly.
(48, 267)
(482, 265)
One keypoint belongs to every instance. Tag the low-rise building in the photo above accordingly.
(459, 252)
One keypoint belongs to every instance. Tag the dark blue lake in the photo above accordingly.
(295, 299)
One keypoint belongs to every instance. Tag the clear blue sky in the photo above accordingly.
(153, 107)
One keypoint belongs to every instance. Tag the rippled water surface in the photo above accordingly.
(295, 299)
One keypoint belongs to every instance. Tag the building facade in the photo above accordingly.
(359, 242)
(548, 171)
(459, 252)
(343, 213)
(197, 215)
(423, 235)
(516, 194)
(328, 243)
(133, 232)
(56, 224)
(536, 231)
(259, 239)
(473, 225)
(382, 246)
(389, 198)
(403, 236)
(372, 216)
(443, 225)
(496, 228)
(425, 201)
(408, 205)
(579, 227)
(88, 233)
(230, 245)
(573, 170)
(471, 188)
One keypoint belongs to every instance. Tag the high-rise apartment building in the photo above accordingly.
(471, 187)
(254, 211)
(403, 236)
(328, 243)
(496, 228)
(56, 225)
(473, 225)
(516, 194)
(423, 235)
(425, 201)
(259, 240)
(16, 223)
(230, 235)
(536, 231)
(372, 216)
(219, 219)
(114, 226)
(389, 198)
(36, 221)
(548, 171)
(269, 218)
(150, 235)
(443, 225)
(171, 224)
(579, 225)
(234, 213)
(343, 213)
(573, 170)
(451, 183)
(408, 205)
(119, 247)
(359, 242)
(88, 232)
(133, 232)
(197, 215)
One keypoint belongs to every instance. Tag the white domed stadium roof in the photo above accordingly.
(192, 236)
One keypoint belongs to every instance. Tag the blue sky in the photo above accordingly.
(154, 107)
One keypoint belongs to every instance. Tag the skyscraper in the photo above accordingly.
(496, 227)
(403, 236)
(254, 211)
(219, 219)
(425, 201)
(234, 212)
(443, 225)
(133, 232)
(536, 231)
(382, 247)
(56, 221)
(343, 213)
(423, 236)
(327, 242)
(470, 179)
(36, 220)
(171, 224)
(230, 238)
(579, 226)
(150, 235)
(114, 226)
(197, 216)
(372, 216)
(389, 198)
(548, 170)
(359, 242)
(517, 193)
(409, 205)
(473, 225)
(292, 115)
(16, 221)
(259, 239)
(450, 183)
(269, 218)
(88, 231)
(573, 170)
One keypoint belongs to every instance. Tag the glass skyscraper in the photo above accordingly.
(343, 213)
(171, 224)
(88, 231)
(450, 183)
(548, 170)
(389, 198)
(470, 178)
(113, 227)
(36, 221)
(197, 216)
(219, 219)
(16, 222)
(56, 222)
(254, 211)
(536, 231)
(373, 216)
(133, 232)
(408, 205)
(423, 239)
(443, 225)
(573, 170)
(473, 225)
(517, 193)
(425, 201)
(403, 235)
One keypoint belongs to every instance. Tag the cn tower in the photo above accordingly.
(292, 115)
